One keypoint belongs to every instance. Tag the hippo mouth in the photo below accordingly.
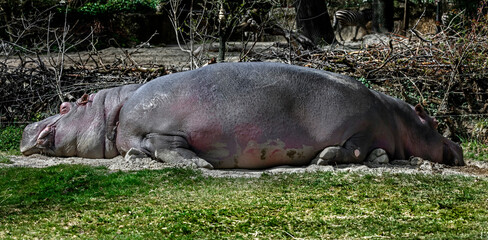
(45, 140)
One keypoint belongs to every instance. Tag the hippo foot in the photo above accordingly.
(134, 153)
(328, 156)
(378, 156)
(176, 159)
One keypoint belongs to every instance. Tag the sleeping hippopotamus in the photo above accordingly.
(243, 115)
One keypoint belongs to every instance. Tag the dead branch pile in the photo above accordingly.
(31, 90)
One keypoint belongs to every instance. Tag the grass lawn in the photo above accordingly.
(92, 203)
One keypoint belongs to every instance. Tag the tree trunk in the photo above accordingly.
(438, 14)
(383, 16)
(8, 15)
(313, 21)
(222, 43)
(406, 16)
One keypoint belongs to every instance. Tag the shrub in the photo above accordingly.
(116, 6)
(10, 137)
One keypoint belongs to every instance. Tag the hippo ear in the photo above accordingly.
(420, 111)
(83, 100)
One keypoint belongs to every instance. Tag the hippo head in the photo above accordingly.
(78, 130)
(430, 144)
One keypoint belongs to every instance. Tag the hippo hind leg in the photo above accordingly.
(336, 155)
(350, 152)
(172, 149)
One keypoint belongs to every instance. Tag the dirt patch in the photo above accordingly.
(473, 168)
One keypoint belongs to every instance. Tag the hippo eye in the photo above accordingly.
(64, 108)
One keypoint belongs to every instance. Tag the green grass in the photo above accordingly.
(92, 203)
(474, 150)
(10, 137)
(4, 159)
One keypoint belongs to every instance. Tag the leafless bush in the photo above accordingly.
(199, 26)
(36, 79)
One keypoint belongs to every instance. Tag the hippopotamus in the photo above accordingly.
(243, 115)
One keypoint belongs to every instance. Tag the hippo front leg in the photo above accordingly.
(172, 149)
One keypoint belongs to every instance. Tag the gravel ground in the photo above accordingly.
(414, 166)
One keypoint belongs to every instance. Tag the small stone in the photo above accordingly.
(425, 166)
(416, 161)
(437, 167)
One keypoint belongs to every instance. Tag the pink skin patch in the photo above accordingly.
(44, 138)
(204, 140)
(45, 132)
(357, 153)
(270, 153)
(204, 132)
(247, 132)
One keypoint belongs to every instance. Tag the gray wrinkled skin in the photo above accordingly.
(251, 115)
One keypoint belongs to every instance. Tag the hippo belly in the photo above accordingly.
(252, 143)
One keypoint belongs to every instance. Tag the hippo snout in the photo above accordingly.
(28, 145)
(452, 154)
(38, 137)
